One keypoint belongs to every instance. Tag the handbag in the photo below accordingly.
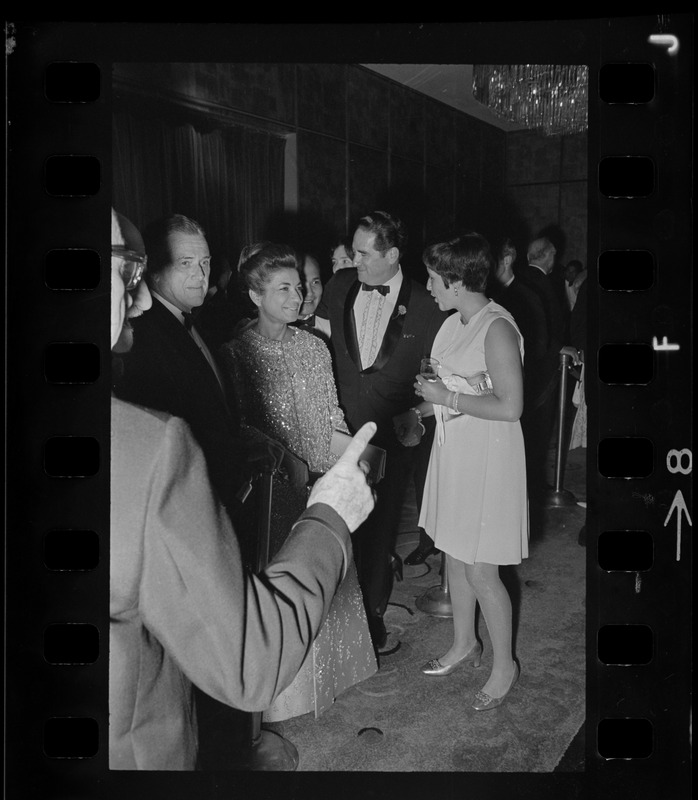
(374, 456)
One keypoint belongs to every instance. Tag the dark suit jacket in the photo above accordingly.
(555, 323)
(165, 370)
(552, 304)
(182, 608)
(387, 387)
(524, 304)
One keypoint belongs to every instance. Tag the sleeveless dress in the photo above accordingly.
(475, 505)
(286, 390)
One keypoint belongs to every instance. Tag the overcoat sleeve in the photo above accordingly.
(239, 637)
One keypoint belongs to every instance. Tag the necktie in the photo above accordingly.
(188, 319)
(365, 287)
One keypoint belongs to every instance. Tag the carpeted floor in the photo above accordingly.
(401, 720)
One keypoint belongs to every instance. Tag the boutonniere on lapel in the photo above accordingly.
(400, 311)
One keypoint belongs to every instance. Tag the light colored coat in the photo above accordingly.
(182, 608)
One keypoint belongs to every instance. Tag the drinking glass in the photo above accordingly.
(429, 369)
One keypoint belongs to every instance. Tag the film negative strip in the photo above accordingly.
(639, 524)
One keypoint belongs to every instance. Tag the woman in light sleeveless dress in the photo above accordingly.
(475, 505)
(282, 378)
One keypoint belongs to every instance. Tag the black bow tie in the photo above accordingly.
(188, 319)
(365, 287)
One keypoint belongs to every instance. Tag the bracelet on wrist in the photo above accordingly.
(454, 403)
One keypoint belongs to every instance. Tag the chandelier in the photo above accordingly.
(544, 97)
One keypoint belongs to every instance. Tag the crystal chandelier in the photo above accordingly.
(544, 97)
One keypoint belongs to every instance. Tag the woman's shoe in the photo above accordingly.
(420, 554)
(483, 702)
(435, 667)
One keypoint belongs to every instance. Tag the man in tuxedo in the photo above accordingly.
(538, 420)
(380, 323)
(170, 368)
(183, 610)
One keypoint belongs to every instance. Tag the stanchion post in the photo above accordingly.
(558, 496)
(437, 600)
(265, 750)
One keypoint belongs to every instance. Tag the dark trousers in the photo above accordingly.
(537, 425)
(374, 540)
(421, 465)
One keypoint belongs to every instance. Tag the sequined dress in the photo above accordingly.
(286, 390)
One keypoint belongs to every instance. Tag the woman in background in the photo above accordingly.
(312, 289)
(282, 378)
(475, 505)
(342, 254)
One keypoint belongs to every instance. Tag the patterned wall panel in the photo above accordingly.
(368, 181)
(407, 199)
(369, 108)
(532, 158)
(575, 157)
(440, 209)
(573, 220)
(321, 187)
(322, 98)
(406, 122)
(468, 168)
(440, 133)
(264, 89)
(492, 155)
(536, 207)
(468, 137)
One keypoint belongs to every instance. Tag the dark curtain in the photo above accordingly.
(230, 180)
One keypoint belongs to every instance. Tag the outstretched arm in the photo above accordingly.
(240, 637)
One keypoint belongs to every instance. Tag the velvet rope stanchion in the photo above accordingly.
(265, 750)
(558, 496)
(437, 600)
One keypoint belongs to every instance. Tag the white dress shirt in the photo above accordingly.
(372, 313)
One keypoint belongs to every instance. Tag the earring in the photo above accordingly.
(455, 291)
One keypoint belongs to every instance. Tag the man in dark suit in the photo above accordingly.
(538, 420)
(170, 368)
(183, 609)
(380, 323)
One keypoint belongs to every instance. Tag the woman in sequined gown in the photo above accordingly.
(282, 378)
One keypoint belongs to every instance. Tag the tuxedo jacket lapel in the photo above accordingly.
(350, 335)
(189, 350)
(392, 332)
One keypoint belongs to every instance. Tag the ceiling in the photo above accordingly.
(450, 83)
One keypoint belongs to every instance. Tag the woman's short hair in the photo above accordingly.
(467, 258)
(257, 270)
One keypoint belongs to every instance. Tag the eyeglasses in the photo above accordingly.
(132, 267)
